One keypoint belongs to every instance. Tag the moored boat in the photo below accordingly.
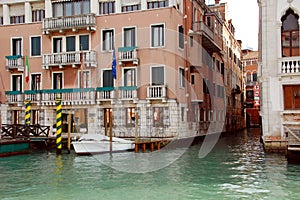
(97, 143)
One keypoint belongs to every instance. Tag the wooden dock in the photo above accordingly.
(149, 145)
(293, 145)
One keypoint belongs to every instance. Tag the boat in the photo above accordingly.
(9, 147)
(97, 143)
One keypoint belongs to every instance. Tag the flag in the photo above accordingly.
(114, 65)
(27, 69)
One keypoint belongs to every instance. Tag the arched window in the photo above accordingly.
(290, 34)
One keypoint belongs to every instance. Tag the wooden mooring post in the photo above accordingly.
(148, 145)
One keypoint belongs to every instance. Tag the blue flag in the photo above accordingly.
(114, 65)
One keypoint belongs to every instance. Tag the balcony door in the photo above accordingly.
(107, 78)
(57, 81)
(129, 37)
(157, 76)
(35, 81)
(17, 82)
(129, 77)
(16, 46)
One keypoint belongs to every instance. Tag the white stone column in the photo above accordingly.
(28, 11)
(118, 6)
(48, 9)
(6, 19)
(95, 7)
(144, 4)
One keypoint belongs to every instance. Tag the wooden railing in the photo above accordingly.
(292, 136)
(14, 131)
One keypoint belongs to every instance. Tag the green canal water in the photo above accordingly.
(237, 168)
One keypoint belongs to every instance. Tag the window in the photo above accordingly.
(181, 78)
(157, 35)
(130, 117)
(16, 82)
(291, 97)
(129, 37)
(107, 40)
(290, 34)
(254, 76)
(84, 79)
(107, 7)
(182, 113)
(158, 117)
(36, 46)
(130, 8)
(1, 20)
(129, 77)
(17, 19)
(193, 79)
(84, 42)
(57, 45)
(107, 79)
(35, 81)
(248, 77)
(180, 37)
(158, 76)
(16, 46)
(57, 81)
(157, 4)
(70, 43)
(191, 41)
(70, 8)
(38, 15)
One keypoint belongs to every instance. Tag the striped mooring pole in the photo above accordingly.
(58, 127)
(27, 112)
(27, 116)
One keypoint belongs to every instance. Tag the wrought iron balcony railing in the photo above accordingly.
(70, 58)
(85, 21)
(14, 62)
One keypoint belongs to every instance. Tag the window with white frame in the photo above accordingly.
(57, 80)
(181, 78)
(16, 46)
(180, 37)
(129, 8)
(157, 4)
(84, 42)
(16, 82)
(57, 45)
(157, 35)
(36, 46)
(107, 40)
(70, 43)
(129, 76)
(84, 79)
(107, 78)
(157, 75)
(35, 81)
(107, 7)
(17, 19)
(129, 37)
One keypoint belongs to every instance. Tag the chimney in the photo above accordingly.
(217, 1)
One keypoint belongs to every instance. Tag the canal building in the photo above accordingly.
(252, 87)
(279, 70)
(171, 67)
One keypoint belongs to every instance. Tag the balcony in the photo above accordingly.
(105, 94)
(69, 96)
(128, 54)
(70, 58)
(14, 62)
(289, 65)
(211, 40)
(155, 92)
(61, 24)
(127, 92)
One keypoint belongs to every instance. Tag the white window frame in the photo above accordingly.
(89, 78)
(62, 77)
(11, 81)
(101, 78)
(153, 66)
(123, 32)
(41, 77)
(102, 37)
(123, 75)
(181, 78)
(77, 40)
(40, 46)
(164, 33)
(11, 44)
(178, 36)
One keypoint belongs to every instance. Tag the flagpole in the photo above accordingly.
(114, 76)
